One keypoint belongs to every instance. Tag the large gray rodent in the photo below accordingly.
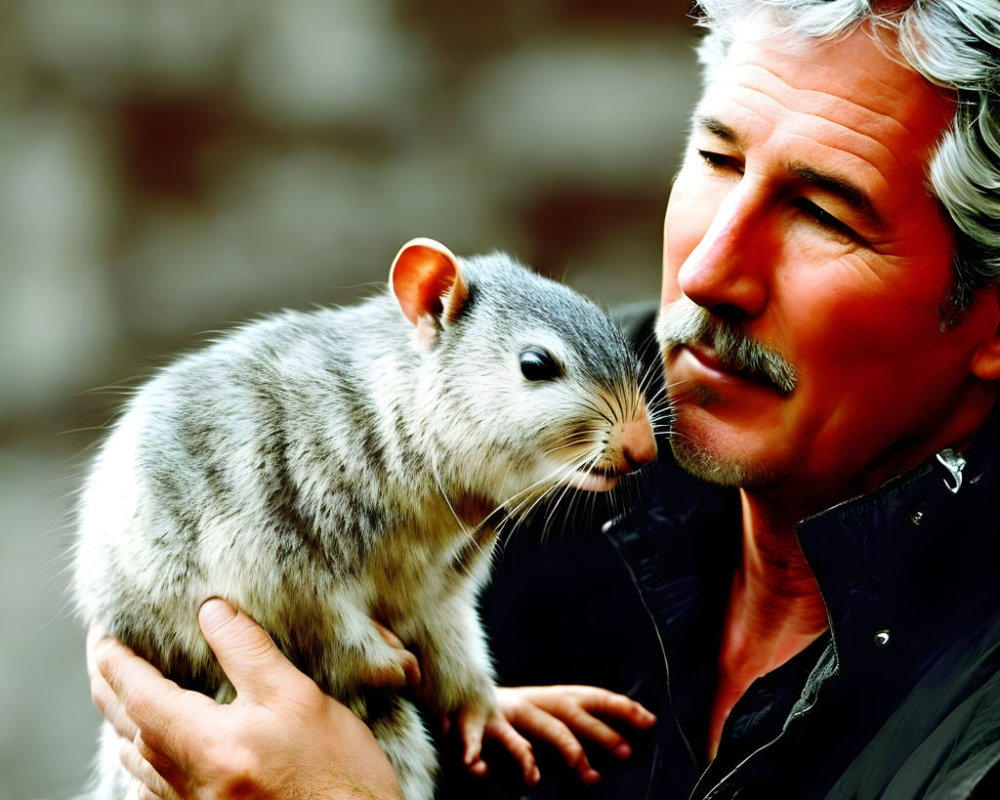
(323, 470)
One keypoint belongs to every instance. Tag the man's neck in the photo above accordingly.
(775, 596)
(775, 608)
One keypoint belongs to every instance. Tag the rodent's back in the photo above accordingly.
(246, 453)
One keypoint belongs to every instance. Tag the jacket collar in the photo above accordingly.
(912, 565)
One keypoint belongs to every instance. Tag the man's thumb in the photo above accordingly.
(247, 655)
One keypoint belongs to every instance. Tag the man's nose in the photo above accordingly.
(728, 271)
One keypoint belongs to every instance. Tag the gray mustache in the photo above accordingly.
(684, 323)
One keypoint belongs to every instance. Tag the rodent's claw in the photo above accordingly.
(403, 668)
(411, 669)
(400, 670)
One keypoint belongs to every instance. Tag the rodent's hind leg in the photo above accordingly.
(402, 736)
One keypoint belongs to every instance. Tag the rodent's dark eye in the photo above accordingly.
(539, 365)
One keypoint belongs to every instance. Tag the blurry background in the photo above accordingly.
(168, 168)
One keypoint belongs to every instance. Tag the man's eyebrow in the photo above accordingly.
(718, 128)
(837, 185)
(849, 192)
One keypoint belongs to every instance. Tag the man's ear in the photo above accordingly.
(428, 285)
(986, 360)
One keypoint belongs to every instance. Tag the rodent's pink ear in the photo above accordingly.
(428, 285)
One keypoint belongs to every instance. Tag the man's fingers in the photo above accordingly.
(251, 661)
(101, 693)
(548, 728)
(103, 696)
(576, 705)
(563, 715)
(145, 793)
(611, 704)
(590, 727)
(594, 700)
(137, 766)
(500, 729)
(143, 696)
(470, 727)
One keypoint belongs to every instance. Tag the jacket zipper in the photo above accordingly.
(796, 714)
(719, 784)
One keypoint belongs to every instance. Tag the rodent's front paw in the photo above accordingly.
(477, 724)
(398, 667)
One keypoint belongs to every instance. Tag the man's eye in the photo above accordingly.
(825, 218)
(716, 160)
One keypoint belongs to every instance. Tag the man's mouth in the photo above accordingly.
(722, 347)
(709, 358)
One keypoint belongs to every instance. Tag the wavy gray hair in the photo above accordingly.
(952, 43)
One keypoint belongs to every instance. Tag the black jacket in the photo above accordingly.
(900, 700)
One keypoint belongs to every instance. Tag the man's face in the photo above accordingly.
(801, 221)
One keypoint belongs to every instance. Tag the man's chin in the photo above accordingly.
(712, 468)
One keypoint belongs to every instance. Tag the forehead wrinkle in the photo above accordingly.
(887, 79)
(888, 104)
(847, 108)
(858, 144)
(871, 91)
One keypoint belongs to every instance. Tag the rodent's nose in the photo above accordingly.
(638, 443)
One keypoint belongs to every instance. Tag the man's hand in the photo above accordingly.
(282, 737)
(557, 715)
